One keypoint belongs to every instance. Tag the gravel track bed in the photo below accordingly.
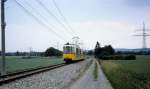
(54, 79)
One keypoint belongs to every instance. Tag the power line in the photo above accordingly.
(144, 35)
(40, 15)
(48, 11)
(38, 20)
(65, 20)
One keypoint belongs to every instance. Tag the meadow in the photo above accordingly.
(17, 63)
(128, 74)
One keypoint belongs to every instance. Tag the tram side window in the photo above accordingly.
(70, 49)
(73, 50)
(78, 51)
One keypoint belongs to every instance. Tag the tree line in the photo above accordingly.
(51, 51)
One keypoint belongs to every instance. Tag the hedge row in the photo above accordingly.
(119, 57)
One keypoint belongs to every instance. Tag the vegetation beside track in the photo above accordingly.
(17, 63)
(128, 74)
(95, 71)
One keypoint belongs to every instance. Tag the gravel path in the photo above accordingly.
(53, 79)
(87, 81)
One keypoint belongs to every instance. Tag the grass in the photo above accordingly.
(95, 71)
(128, 74)
(17, 63)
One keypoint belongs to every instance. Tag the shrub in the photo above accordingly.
(130, 57)
(118, 57)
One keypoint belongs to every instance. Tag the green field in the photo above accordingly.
(17, 63)
(128, 74)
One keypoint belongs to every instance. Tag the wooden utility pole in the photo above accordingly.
(3, 24)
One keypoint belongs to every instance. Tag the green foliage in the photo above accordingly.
(130, 57)
(125, 74)
(95, 72)
(108, 49)
(119, 57)
(102, 51)
(53, 52)
(97, 50)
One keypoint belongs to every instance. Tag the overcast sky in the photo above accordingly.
(107, 21)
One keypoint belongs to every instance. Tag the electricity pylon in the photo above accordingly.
(144, 35)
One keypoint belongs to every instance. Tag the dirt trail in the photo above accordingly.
(87, 81)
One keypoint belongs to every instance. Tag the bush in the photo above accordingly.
(130, 57)
(107, 57)
(118, 57)
(53, 52)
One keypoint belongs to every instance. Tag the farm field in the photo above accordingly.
(17, 63)
(128, 74)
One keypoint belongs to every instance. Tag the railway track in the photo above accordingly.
(22, 74)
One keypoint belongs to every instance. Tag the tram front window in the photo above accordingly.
(67, 49)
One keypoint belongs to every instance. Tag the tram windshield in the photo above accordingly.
(68, 49)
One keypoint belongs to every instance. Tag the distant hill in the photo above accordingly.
(126, 49)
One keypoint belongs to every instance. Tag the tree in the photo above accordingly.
(97, 50)
(17, 53)
(53, 52)
(97, 45)
(108, 50)
(102, 51)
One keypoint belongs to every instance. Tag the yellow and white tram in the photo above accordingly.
(72, 52)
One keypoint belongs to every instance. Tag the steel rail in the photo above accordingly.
(25, 73)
